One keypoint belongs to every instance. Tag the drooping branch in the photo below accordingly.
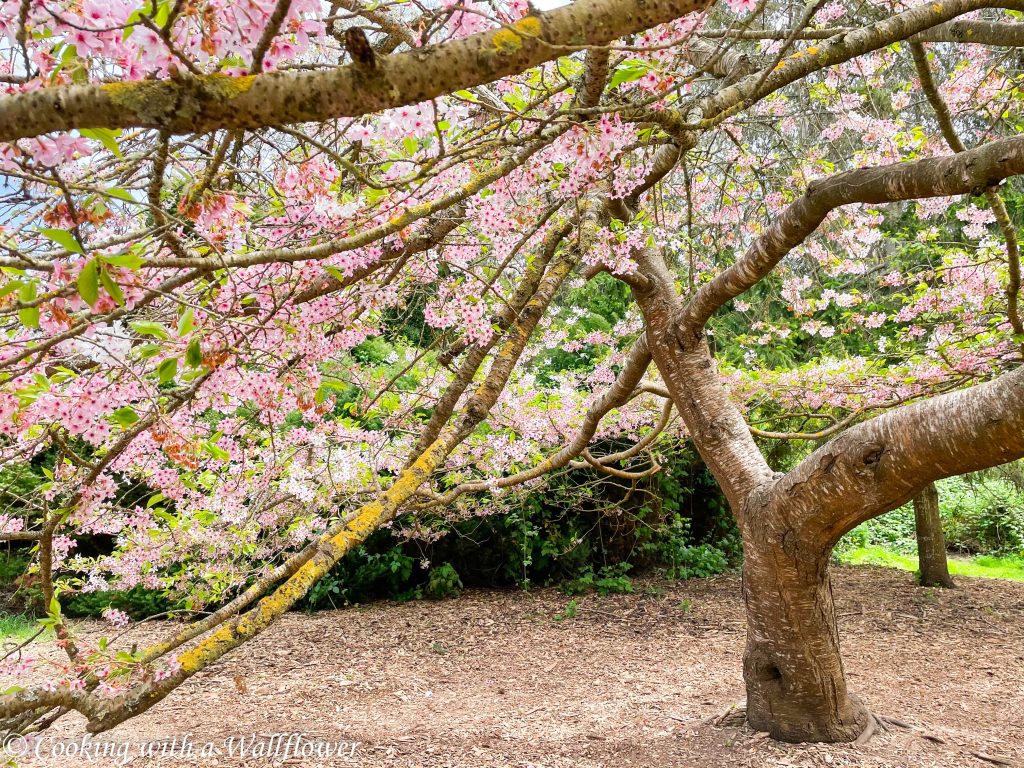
(369, 235)
(621, 390)
(642, 443)
(199, 104)
(430, 235)
(104, 713)
(995, 200)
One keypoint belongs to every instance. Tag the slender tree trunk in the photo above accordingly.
(931, 544)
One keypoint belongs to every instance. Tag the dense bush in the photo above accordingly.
(581, 532)
(586, 536)
(578, 533)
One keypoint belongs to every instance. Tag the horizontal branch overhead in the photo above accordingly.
(198, 104)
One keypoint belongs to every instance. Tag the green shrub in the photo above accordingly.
(982, 514)
(611, 579)
(571, 611)
(443, 582)
(697, 562)
(139, 603)
(584, 532)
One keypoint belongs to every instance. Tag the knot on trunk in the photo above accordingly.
(871, 454)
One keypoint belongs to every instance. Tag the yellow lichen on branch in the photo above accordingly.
(370, 517)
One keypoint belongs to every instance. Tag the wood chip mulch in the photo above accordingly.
(493, 679)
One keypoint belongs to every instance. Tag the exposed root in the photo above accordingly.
(994, 759)
(734, 716)
(874, 725)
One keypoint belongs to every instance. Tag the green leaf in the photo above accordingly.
(147, 351)
(186, 321)
(167, 370)
(125, 416)
(63, 238)
(150, 328)
(112, 288)
(127, 260)
(29, 317)
(194, 354)
(88, 282)
(104, 135)
(632, 70)
(216, 451)
(335, 272)
(120, 193)
(10, 288)
(27, 291)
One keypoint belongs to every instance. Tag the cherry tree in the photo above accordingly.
(278, 273)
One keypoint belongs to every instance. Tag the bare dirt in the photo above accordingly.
(495, 679)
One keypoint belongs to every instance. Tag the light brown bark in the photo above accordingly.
(793, 672)
(796, 687)
(190, 104)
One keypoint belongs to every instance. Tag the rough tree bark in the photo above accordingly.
(793, 670)
(931, 543)
(796, 687)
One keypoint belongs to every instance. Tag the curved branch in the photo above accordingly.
(837, 49)
(990, 33)
(616, 395)
(973, 171)
(884, 462)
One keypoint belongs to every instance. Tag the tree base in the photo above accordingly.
(736, 716)
(786, 721)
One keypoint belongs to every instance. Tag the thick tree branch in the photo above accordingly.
(835, 50)
(990, 33)
(884, 462)
(714, 422)
(970, 172)
(198, 104)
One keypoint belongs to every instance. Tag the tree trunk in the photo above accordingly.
(796, 689)
(931, 544)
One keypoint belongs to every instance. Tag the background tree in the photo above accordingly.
(931, 543)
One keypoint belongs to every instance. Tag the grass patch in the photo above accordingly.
(983, 566)
(17, 626)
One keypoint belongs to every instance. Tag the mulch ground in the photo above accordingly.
(494, 679)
